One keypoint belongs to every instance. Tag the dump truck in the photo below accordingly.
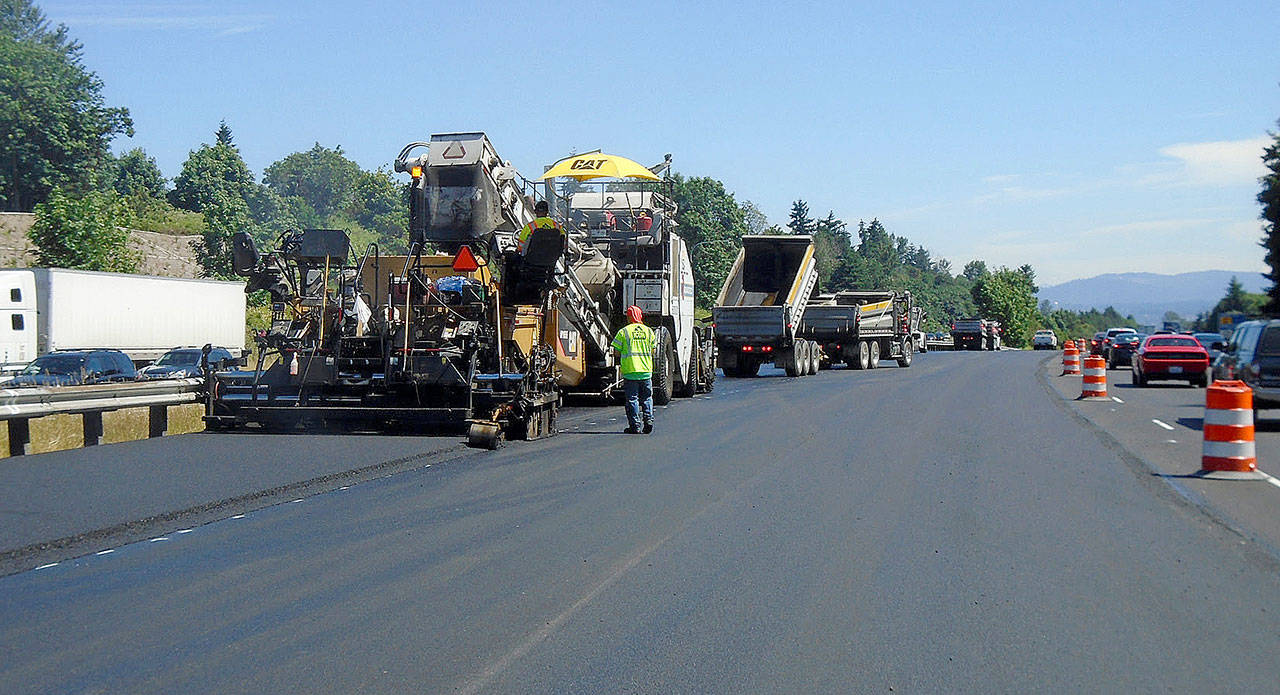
(626, 250)
(975, 334)
(762, 305)
(862, 327)
(462, 334)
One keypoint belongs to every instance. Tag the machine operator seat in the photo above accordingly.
(533, 273)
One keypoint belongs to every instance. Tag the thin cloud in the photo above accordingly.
(166, 17)
(1220, 163)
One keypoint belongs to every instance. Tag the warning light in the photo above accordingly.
(416, 172)
(465, 261)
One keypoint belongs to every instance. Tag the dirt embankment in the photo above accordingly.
(168, 255)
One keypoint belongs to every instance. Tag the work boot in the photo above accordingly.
(648, 426)
(631, 430)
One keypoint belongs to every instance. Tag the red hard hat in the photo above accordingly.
(634, 315)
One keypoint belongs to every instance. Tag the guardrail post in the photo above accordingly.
(158, 422)
(19, 436)
(92, 428)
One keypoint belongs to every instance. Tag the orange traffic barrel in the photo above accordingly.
(1080, 345)
(1095, 378)
(1070, 360)
(1228, 432)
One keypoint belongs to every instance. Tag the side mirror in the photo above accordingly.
(1218, 345)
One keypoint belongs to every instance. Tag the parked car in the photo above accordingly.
(1253, 356)
(1171, 357)
(1122, 348)
(76, 368)
(1044, 339)
(184, 363)
(1095, 343)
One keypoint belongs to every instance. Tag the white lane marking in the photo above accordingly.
(238, 516)
(108, 551)
(185, 530)
(344, 487)
(158, 539)
(1167, 427)
(1269, 479)
(295, 501)
(1117, 400)
(45, 567)
(1170, 441)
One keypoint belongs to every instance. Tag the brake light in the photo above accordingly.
(747, 348)
(767, 348)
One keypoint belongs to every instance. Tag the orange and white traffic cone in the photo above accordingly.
(1095, 378)
(1080, 345)
(1070, 360)
(1228, 433)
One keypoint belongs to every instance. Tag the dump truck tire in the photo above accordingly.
(791, 360)
(815, 357)
(864, 356)
(904, 360)
(663, 368)
(685, 388)
(873, 359)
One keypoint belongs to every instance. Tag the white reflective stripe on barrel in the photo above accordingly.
(1231, 418)
(1228, 450)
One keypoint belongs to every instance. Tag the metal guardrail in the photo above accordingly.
(19, 405)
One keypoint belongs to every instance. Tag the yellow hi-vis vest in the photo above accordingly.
(635, 343)
(522, 237)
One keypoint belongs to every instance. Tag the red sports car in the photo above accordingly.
(1171, 357)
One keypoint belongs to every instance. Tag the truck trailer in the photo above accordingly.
(143, 316)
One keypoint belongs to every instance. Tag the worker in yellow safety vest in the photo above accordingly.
(634, 345)
(543, 220)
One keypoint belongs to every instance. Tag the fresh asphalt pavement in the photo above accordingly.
(949, 527)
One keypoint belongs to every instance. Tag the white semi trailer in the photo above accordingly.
(47, 309)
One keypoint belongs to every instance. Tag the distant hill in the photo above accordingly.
(1149, 295)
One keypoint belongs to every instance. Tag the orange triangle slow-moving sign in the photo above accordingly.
(465, 261)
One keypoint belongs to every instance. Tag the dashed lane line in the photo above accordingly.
(1117, 400)
(1164, 425)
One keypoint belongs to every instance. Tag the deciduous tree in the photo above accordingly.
(84, 231)
(55, 126)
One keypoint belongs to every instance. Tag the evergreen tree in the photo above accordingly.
(800, 222)
(1269, 197)
(223, 134)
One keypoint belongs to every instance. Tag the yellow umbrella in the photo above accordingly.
(597, 165)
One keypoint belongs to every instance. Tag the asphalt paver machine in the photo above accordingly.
(460, 334)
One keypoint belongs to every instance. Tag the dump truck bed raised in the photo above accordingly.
(766, 292)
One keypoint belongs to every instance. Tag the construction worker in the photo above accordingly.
(542, 220)
(634, 345)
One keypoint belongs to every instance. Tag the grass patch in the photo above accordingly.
(60, 432)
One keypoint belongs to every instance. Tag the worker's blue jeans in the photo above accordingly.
(639, 395)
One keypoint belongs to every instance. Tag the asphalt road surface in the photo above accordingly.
(952, 527)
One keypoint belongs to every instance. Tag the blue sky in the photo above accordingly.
(1088, 138)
